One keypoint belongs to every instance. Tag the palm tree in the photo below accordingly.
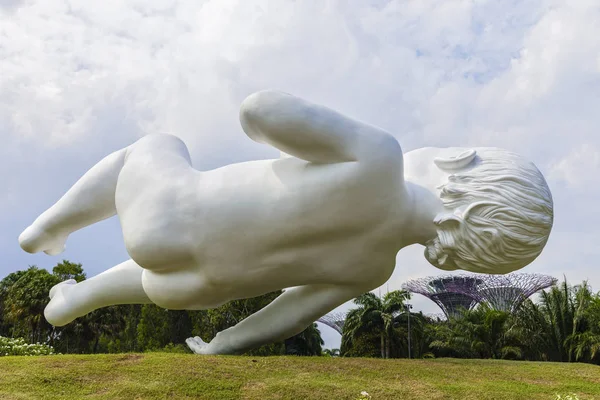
(331, 352)
(584, 342)
(529, 330)
(306, 343)
(375, 315)
(559, 309)
(565, 326)
(477, 333)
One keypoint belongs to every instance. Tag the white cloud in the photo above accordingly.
(80, 80)
(579, 168)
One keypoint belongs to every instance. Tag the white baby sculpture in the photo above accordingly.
(325, 220)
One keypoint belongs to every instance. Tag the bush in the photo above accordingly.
(176, 348)
(18, 347)
(170, 348)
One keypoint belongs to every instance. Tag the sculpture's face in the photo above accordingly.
(498, 210)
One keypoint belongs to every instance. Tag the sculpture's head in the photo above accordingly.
(498, 213)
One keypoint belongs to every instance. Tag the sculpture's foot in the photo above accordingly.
(34, 239)
(60, 311)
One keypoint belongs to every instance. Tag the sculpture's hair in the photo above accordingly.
(500, 214)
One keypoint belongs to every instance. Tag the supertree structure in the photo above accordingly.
(507, 292)
(499, 292)
(334, 320)
(451, 293)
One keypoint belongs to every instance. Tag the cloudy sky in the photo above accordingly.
(81, 79)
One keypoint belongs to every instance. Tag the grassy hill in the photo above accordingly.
(180, 376)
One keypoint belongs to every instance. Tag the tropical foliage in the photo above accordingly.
(126, 328)
(384, 327)
(307, 343)
(563, 325)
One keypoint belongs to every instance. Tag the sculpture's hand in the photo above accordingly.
(197, 345)
(287, 315)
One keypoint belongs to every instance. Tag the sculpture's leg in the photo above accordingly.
(121, 284)
(90, 200)
(289, 314)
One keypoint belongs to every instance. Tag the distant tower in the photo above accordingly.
(334, 320)
(450, 293)
(507, 292)
(500, 292)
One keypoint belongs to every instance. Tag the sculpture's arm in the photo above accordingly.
(312, 132)
(289, 314)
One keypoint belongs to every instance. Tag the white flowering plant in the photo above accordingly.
(18, 347)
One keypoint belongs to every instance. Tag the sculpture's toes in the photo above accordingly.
(60, 311)
(196, 344)
(34, 239)
(54, 251)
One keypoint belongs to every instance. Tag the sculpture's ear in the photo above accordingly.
(448, 220)
(457, 162)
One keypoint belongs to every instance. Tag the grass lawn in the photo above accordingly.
(180, 376)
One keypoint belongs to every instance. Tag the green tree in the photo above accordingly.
(153, 328)
(126, 339)
(477, 333)
(67, 270)
(6, 326)
(559, 310)
(331, 352)
(584, 341)
(375, 315)
(529, 329)
(552, 329)
(419, 339)
(563, 326)
(180, 326)
(364, 343)
(104, 322)
(306, 343)
(25, 303)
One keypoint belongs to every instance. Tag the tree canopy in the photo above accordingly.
(563, 325)
(126, 328)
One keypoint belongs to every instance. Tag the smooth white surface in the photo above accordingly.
(325, 220)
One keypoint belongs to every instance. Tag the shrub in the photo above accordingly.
(18, 347)
(176, 348)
